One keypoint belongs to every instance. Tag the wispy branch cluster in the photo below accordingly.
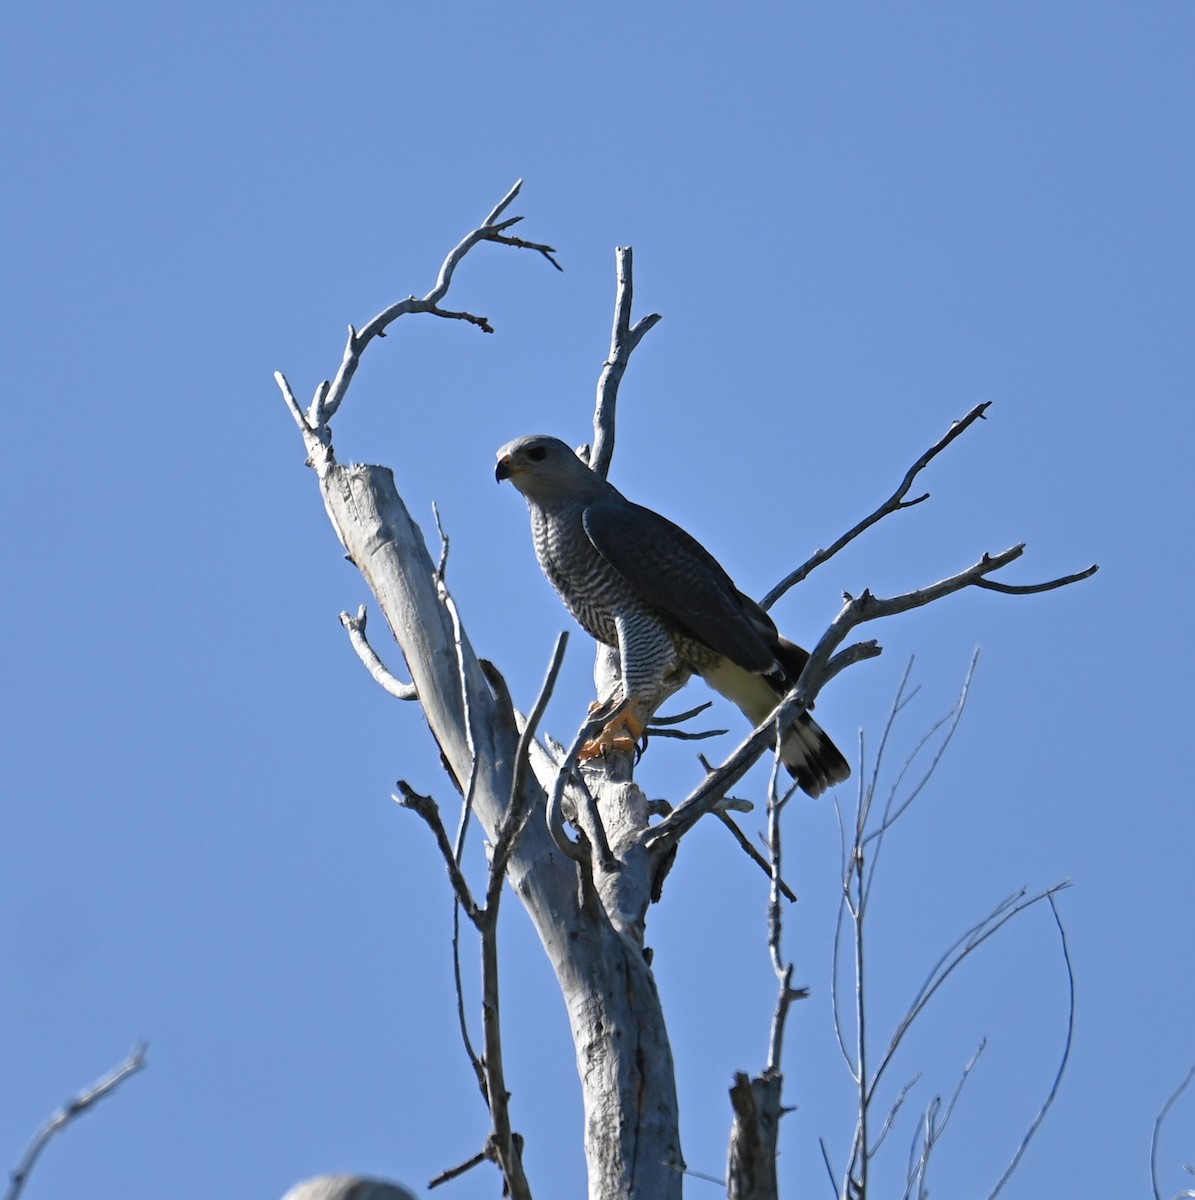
(864, 837)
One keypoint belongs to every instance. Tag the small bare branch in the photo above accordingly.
(623, 339)
(507, 1146)
(931, 1130)
(462, 1019)
(1035, 1124)
(829, 1167)
(1029, 589)
(859, 869)
(292, 402)
(547, 251)
(896, 1106)
(442, 565)
(330, 395)
(894, 503)
(1153, 1144)
(605, 855)
(754, 855)
(521, 795)
(73, 1108)
(568, 771)
(894, 810)
(455, 1172)
(355, 626)
(427, 809)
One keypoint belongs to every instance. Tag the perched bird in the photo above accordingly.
(637, 582)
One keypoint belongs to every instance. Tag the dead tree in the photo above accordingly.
(581, 847)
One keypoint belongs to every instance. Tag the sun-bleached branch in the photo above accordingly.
(330, 395)
(624, 337)
(355, 627)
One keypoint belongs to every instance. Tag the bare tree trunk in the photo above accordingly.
(632, 1139)
(751, 1169)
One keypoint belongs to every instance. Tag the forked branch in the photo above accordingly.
(354, 625)
(623, 340)
(894, 503)
(330, 395)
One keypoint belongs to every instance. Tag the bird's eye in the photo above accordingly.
(537, 453)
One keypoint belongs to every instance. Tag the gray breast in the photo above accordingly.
(589, 586)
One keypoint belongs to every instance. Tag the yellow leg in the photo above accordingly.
(621, 735)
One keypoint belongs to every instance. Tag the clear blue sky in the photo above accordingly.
(858, 221)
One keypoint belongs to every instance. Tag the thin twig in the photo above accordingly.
(519, 808)
(429, 811)
(454, 1172)
(894, 503)
(490, 230)
(1153, 1144)
(1035, 1124)
(462, 1017)
(754, 855)
(894, 811)
(894, 1111)
(932, 1130)
(687, 715)
(555, 815)
(469, 789)
(1029, 589)
(507, 1145)
(73, 1108)
(784, 971)
(962, 949)
(829, 1168)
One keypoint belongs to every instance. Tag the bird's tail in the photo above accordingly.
(811, 757)
(807, 752)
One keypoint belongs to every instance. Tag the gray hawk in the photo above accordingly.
(641, 584)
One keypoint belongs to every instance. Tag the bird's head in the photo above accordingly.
(545, 469)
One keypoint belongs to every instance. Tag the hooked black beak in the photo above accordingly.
(502, 470)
